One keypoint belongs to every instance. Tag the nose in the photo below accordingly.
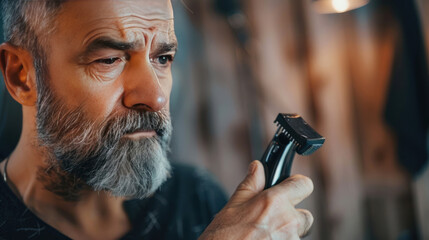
(142, 89)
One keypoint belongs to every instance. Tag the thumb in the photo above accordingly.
(252, 185)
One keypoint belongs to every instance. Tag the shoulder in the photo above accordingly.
(18, 222)
(10, 207)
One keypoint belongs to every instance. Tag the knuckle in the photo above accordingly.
(228, 212)
(306, 222)
(269, 202)
(308, 217)
(301, 183)
(308, 183)
(244, 186)
(295, 221)
(269, 198)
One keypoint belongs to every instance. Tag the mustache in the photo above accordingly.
(117, 125)
(133, 121)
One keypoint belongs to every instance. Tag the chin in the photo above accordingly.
(136, 170)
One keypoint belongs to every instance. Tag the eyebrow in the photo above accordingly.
(110, 43)
(165, 47)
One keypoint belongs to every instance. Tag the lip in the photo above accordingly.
(140, 134)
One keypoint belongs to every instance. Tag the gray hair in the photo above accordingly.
(28, 24)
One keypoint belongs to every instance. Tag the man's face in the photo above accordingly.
(105, 114)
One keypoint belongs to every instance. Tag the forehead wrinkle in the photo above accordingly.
(172, 35)
(124, 23)
(135, 21)
(95, 33)
(128, 16)
(132, 18)
(153, 9)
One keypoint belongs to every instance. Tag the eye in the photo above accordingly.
(108, 61)
(164, 59)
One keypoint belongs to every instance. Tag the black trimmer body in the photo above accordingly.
(293, 135)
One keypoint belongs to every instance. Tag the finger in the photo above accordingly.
(305, 221)
(251, 185)
(295, 188)
(294, 237)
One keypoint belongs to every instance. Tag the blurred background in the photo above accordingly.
(356, 70)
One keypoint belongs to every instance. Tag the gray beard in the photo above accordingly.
(85, 155)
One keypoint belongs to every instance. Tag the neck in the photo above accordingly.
(90, 215)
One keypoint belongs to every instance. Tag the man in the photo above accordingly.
(94, 78)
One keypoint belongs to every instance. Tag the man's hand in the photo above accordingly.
(252, 213)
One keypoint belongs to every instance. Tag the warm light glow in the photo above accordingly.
(340, 5)
(337, 6)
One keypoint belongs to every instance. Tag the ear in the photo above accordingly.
(18, 73)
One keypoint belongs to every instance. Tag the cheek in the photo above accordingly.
(104, 75)
(76, 88)
(166, 80)
(101, 101)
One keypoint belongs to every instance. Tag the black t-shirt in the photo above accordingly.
(181, 209)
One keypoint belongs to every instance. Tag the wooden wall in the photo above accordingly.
(334, 70)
